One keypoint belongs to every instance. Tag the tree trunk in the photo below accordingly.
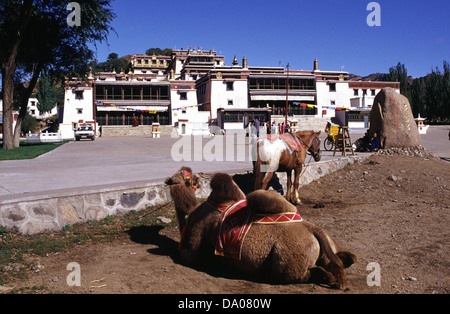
(24, 103)
(8, 71)
(8, 118)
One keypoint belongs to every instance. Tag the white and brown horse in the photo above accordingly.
(275, 156)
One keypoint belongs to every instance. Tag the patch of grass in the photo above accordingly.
(14, 246)
(28, 150)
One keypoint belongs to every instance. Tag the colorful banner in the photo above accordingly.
(126, 108)
(314, 106)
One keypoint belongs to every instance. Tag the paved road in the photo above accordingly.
(108, 161)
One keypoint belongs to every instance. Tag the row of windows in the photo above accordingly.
(118, 118)
(273, 83)
(132, 93)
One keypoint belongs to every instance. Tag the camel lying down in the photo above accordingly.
(277, 244)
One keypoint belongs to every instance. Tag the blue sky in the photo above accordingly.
(270, 33)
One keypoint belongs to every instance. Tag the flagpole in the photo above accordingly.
(287, 94)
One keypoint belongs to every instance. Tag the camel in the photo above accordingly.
(183, 185)
(276, 157)
(295, 252)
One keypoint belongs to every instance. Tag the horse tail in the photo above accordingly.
(335, 265)
(257, 175)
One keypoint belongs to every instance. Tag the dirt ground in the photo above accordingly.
(390, 211)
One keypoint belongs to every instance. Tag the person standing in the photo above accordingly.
(257, 125)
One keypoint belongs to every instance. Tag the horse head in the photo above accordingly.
(312, 142)
(314, 147)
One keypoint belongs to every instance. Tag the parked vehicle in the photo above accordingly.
(85, 131)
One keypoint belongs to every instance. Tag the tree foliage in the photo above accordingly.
(429, 95)
(47, 94)
(159, 52)
(35, 36)
(114, 63)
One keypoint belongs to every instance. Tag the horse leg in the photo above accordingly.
(266, 180)
(296, 198)
(289, 185)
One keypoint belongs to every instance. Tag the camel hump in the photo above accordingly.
(269, 202)
(223, 188)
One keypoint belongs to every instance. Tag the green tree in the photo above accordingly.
(398, 74)
(47, 94)
(35, 36)
(430, 95)
(113, 63)
(159, 52)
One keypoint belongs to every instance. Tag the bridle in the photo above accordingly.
(188, 177)
(309, 149)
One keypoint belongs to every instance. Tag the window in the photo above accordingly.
(373, 92)
(230, 102)
(183, 96)
(79, 95)
(33, 103)
(332, 87)
(355, 92)
(79, 110)
(230, 86)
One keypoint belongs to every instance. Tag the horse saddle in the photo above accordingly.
(235, 223)
(289, 139)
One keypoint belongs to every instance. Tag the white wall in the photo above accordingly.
(76, 110)
(220, 96)
(34, 111)
(185, 111)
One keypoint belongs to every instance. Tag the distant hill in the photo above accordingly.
(372, 77)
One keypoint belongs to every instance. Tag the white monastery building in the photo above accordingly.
(194, 89)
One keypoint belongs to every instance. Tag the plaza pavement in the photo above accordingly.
(129, 160)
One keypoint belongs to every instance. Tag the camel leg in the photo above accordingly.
(319, 275)
(296, 199)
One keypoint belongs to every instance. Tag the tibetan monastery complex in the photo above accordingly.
(193, 89)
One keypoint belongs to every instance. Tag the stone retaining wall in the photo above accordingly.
(128, 130)
(37, 213)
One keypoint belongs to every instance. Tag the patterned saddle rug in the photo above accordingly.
(235, 223)
(290, 140)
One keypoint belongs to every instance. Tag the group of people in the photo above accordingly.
(273, 128)
(367, 144)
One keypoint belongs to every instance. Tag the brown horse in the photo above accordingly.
(275, 157)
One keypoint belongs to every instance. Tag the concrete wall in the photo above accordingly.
(36, 213)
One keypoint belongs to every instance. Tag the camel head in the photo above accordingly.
(183, 185)
(184, 176)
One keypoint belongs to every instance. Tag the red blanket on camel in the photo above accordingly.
(235, 223)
